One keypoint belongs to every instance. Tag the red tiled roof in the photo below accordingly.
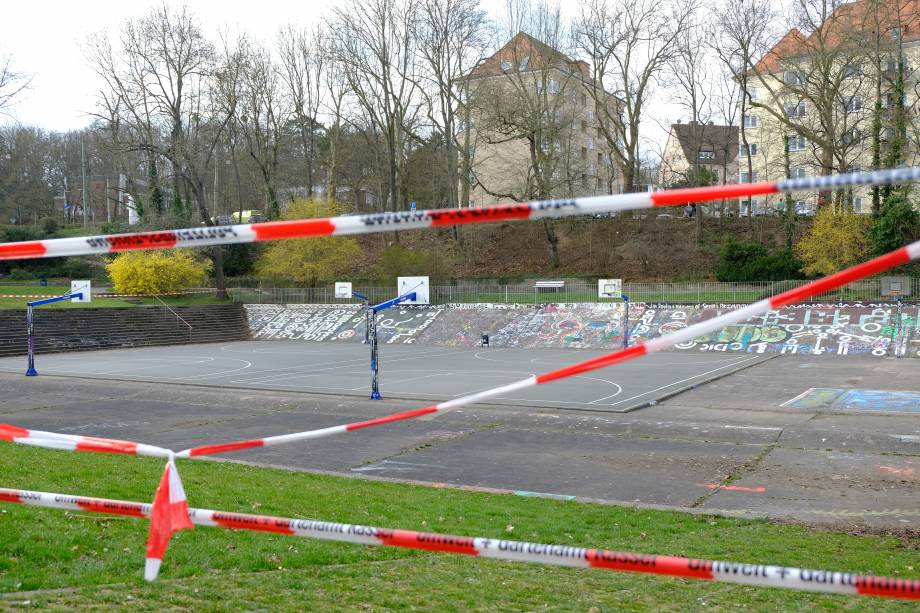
(524, 52)
(845, 19)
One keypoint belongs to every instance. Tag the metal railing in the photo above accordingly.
(574, 291)
(178, 317)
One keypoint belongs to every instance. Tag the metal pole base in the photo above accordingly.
(31, 372)
(375, 396)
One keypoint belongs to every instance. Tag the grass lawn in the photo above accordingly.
(20, 303)
(59, 559)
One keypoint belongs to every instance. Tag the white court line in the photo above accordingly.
(219, 373)
(673, 383)
(118, 372)
(791, 400)
(326, 366)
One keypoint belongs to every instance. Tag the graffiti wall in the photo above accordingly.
(812, 329)
(303, 322)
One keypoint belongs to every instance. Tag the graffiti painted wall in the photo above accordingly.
(302, 322)
(813, 329)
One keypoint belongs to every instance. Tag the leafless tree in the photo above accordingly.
(628, 43)
(263, 110)
(376, 50)
(162, 76)
(817, 91)
(452, 38)
(303, 64)
(743, 31)
(12, 82)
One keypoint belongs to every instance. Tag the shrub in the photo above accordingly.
(896, 225)
(48, 225)
(742, 262)
(157, 272)
(308, 261)
(836, 240)
(398, 261)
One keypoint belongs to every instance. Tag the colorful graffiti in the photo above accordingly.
(812, 329)
(297, 322)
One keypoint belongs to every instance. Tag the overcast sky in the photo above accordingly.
(47, 39)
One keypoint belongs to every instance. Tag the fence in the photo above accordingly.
(575, 291)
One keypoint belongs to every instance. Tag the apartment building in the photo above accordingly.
(812, 101)
(533, 129)
(699, 151)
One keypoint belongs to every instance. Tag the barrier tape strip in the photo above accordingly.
(501, 549)
(889, 260)
(195, 292)
(71, 442)
(412, 220)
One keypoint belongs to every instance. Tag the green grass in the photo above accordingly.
(20, 303)
(60, 559)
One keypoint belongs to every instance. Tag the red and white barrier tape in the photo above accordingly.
(195, 292)
(71, 442)
(890, 260)
(501, 549)
(412, 220)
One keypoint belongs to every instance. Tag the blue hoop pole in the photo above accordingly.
(372, 338)
(30, 324)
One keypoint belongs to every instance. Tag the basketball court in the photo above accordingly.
(411, 372)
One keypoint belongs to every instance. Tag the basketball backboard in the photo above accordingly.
(81, 287)
(419, 285)
(342, 290)
(609, 288)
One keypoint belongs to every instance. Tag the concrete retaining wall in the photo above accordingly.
(840, 329)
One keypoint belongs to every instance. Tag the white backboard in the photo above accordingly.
(419, 285)
(84, 287)
(609, 288)
(343, 289)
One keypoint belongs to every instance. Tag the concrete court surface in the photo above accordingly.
(406, 371)
(728, 446)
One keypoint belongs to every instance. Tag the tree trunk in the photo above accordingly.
(553, 239)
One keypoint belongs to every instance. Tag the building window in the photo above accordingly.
(853, 104)
(797, 143)
(584, 126)
(589, 114)
(851, 70)
(584, 154)
(858, 204)
(524, 62)
(748, 150)
(795, 109)
(753, 93)
(707, 155)
(584, 99)
(750, 121)
(584, 181)
(799, 172)
(591, 142)
(747, 177)
(793, 78)
(546, 146)
(506, 65)
(553, 86)
(851, 136)
(600, 133)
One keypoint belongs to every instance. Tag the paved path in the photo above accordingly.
(728, 445)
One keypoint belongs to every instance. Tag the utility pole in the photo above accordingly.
(83, 168)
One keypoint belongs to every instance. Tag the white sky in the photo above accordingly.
(46, 40)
